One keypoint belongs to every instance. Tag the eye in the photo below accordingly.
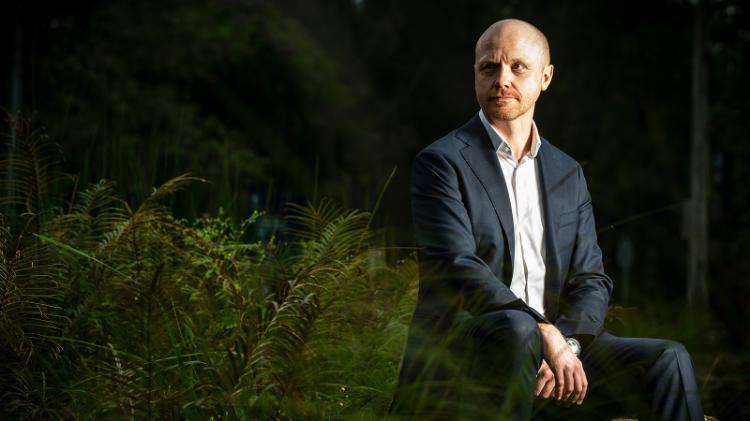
(518, 66)
(488, 68)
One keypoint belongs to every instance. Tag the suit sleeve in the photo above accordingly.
(585, 296)
(449, 264)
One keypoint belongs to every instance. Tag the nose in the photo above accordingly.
(503, 77)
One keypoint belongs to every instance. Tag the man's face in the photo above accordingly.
(510, 71)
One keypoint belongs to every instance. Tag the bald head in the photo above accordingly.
(511, 69)
(506, 28)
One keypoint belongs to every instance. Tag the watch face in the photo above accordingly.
(574, 345)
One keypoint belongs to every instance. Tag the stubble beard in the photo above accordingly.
(510, 113)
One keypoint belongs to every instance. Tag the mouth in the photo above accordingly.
(500, 99)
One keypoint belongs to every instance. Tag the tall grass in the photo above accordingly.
(112, 309)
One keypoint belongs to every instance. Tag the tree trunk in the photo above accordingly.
(15, 93)
(697, 294)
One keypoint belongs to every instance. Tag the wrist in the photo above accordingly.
(554, 341)
(547, 328)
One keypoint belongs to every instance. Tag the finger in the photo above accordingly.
(578, 386)
(559, 384)
(539, 386)
(549, 387)
(582, 395)
(545, 383)
(569, 385)
(585, 388)
(542, 367)
(541, 382)
(541, 378)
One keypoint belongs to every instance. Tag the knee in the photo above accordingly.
(514, 329)
(673, 349)
(673, 354)
(523, 328)
(676, 364)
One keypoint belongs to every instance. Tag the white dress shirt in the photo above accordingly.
(525, 203)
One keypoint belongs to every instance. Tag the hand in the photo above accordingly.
(545, 381)
(570, 379)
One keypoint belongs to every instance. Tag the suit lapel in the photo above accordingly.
(481, 158)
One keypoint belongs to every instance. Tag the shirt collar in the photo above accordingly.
(502, 147)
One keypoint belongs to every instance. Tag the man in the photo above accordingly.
(513, 293)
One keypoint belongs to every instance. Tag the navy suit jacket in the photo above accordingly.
(464, 233)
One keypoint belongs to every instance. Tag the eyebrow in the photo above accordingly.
(487, 61)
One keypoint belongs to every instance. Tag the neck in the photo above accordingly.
(517, 133)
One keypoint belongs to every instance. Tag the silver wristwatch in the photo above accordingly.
(574, 345)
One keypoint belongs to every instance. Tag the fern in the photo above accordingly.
(119, 311)
(29, 171)
(31, 317)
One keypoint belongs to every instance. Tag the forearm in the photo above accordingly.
(464, 281)
(584, 304)
(585, 297)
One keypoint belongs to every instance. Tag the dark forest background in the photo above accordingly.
(288, 101)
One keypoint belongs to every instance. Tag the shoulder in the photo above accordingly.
(447, 146)
(450, 145)
(441, 158)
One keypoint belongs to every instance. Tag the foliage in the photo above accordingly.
(117, 311)
(268, 98)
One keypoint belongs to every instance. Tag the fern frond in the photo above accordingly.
(30, 296)
(327, 231)
(168, 188)
(271, 362)
(29, 170)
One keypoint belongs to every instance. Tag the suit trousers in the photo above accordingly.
(652, 379)
(496, 357)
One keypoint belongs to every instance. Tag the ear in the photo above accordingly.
(547, 76)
